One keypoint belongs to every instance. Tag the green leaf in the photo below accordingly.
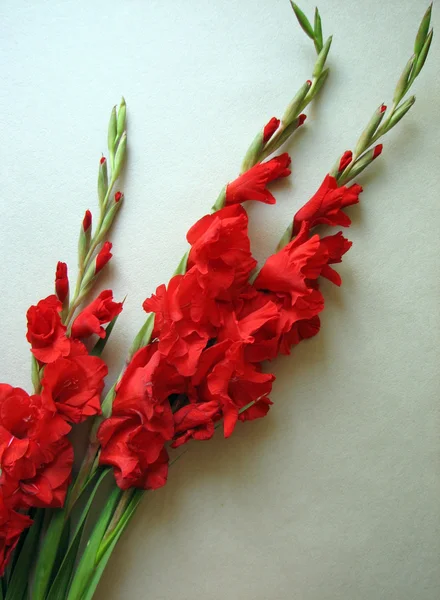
(98, 348)
(61, 582)
(423, 31)
(303, 20)
(86, 566)
(99, 568)
(47, 554)
(18, 583)
(317, 26)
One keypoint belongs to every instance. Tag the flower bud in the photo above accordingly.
(102, 180)
(322, 57)
(122, 115)
(303, 20)
(316, 87)
(270, 129)
(111, 137)
(401, 112)
(403, 82)
(118, 196)
(61, 282)
(103, 257)
(120, 156)
(84, 237)
(345, 160)
(317, 27)
(292, 111)
(370, 130)
(423, 55)
(423, 31)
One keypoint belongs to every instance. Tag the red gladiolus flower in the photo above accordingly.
(221, 250)
(195, 421)
(345, 160)
(61, 281)
(325, 207)
(48, 488)
(32, 444)
(270, 129)
(87, 221)
(251, 185)
(133, 438)
(224, 376)
(102, 310)
(46, 333)
(12, 524)
(336, 246)
(74, 384)
(103, 257)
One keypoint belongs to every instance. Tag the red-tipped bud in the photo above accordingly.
(377, 150)
(102, 160)
(103, 257)
(270, 129)
(87, 221)
(61, 281)
(302, 117)
(118, 196)
(309, 82)
(383, 108)
(345, 160)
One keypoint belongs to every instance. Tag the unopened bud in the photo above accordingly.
(111, 137)
(122, 115)
(270, 129)
(403, 82)
(102, 181)
(345, 160)
(292, 111)
(103, 257)
(322, 57)
(120, 156)
(61, 282)
(366, 136)
(84, 237)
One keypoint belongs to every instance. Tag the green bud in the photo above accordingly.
(322, 57)
(102, 181)
(423, 54)
(303, 20)
(111, 138)
(400, 112)
(317, 85)
(254, 152)
(122, 115)
(120, 156)
(423, 31)
(293, 110)
(109, 218)
(317, 26)
(370, 130)
(85, 235)
(402, 84)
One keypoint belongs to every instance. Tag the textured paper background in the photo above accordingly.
(335, 495)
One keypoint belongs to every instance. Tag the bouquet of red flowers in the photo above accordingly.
(200, 361)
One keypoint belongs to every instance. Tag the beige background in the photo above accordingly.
(335, 495)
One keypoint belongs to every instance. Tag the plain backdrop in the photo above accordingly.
(335, 495)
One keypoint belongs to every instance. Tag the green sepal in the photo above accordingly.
(121, 119)
(322, 57)
(400, 112)
(182, 266)
(35, 374)
(111, 136)
(403, 83)
(423, 55)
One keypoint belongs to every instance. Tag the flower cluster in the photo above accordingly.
(213, 328)
(36, 455)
